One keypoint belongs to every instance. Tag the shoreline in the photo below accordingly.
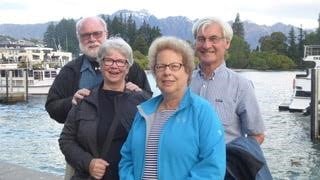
(10, 171)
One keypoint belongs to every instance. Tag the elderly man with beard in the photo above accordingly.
(76, 78)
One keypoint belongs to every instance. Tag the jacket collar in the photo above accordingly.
(151, 106)
(94, 95)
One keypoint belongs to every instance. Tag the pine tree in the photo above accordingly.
(318, 30)
(140, 44)
(237, 27)
(292, 46)
(66, 35)
(300, 46)
(62, 36)
(115, 27)
(49, 37)
(276, 43)
(238, 53)
(131, 30)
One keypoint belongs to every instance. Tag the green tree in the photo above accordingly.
(237, 27)
(292, 46)
(238, 53)
(276, 43)
(270, 61)
(318, 29)
(300, 47)
(62, 36)
(117, 26)
(66, 34)
(149, 33)
(131, 30)
(141, 59)
(140, 44)
(313, 38)
(50, 39)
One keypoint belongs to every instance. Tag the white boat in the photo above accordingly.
(38, 81)
(301, 97)
(36, 78)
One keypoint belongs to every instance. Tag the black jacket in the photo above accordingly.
(78, 140)
(59, 98)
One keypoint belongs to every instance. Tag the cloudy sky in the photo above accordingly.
(268, 12)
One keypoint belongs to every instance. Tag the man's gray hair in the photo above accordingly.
(202, 23)
(80, 22)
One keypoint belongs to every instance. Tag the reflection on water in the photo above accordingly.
(29, 137)
(287, 147)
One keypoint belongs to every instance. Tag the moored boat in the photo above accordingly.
(301, 97)
(35, 82)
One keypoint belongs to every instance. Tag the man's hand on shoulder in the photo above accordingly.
(133, 87)
(79, 95)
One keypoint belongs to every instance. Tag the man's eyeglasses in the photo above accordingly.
(119, 62)
(172, 67)
(96, 35)
(211, 39)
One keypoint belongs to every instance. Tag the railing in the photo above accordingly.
(312, 53)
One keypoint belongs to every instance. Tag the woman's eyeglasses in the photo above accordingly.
(172, 67)
(118, 62)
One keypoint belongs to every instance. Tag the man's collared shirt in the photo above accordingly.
(89, 76)
(233, 98)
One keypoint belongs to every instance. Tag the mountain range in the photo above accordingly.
(178, 26)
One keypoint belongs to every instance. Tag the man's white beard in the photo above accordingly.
(93, 53)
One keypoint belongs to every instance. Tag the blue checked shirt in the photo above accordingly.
(233, 98)
(89, 77)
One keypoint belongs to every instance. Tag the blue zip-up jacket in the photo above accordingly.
(191, 145)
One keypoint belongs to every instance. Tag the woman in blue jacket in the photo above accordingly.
(176, 135)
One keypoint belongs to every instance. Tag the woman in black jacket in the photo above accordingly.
(96, 128)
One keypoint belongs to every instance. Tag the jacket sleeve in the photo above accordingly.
(126, 162)
(212, 148)
(73, 152)
(59, 98)
(138, 76)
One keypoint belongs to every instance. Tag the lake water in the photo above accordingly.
(28, 136)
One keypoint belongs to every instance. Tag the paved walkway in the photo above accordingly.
(16, 172)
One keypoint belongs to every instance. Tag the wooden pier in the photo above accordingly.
(9, 93)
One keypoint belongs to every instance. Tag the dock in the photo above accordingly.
(12, 97)
(9, 94)
(15, 172)
(312, 53)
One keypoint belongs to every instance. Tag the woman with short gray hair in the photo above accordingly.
(97, 127)
(115, 44)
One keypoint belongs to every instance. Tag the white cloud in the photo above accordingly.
(293, 12)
